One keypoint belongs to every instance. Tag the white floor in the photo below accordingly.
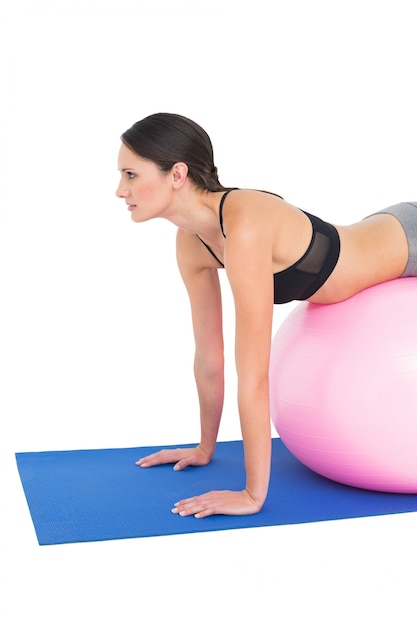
(347, 572)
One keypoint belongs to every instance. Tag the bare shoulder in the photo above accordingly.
(249, 207)
(198, 270)
(185, 243)
(265, 228)
(192, 254)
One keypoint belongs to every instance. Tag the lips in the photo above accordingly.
(131, 207)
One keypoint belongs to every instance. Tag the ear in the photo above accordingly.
(179, 174)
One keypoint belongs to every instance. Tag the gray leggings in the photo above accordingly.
(406, 214)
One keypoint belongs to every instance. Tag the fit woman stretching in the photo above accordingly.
(272, 252)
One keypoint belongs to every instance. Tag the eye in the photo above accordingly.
(130, 175)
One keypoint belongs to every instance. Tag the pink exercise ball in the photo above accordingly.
(343, 381)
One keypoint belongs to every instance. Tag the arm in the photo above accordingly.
(198, 270)
(202, 282)
(249, 269)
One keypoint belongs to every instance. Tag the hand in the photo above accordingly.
(218, 503)
(181, 457)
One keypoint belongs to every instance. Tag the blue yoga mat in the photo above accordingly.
(95, 495)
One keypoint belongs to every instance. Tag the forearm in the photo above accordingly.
(256, 434)
(210, 387)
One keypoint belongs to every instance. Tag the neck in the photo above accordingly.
(195, 211)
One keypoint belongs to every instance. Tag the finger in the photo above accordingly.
(147, 461)
(183, 463)
(157, 458)
(184, 502)
(150, 461)
(186, 512)
(191, 506)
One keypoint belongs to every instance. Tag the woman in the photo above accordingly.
(272, 252)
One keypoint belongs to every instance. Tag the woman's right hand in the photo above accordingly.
(181, 457)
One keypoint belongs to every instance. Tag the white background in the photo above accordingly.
(313, 100)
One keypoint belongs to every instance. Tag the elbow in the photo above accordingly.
(211, 366)
(253, 386)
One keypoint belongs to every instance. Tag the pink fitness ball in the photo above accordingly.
(343, 380)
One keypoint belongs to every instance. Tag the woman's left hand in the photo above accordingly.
(218, 503)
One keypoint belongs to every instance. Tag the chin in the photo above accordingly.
(133, 214)
(139, 219)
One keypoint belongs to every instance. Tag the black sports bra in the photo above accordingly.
(302, 279)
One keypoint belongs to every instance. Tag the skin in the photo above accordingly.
(264, 235)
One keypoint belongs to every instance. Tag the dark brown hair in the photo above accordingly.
(167, 138)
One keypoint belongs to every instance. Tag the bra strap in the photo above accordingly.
(221, 207)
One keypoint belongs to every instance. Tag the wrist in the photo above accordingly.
(257, 500)
(207, 449)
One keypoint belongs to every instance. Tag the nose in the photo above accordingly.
(120, 192)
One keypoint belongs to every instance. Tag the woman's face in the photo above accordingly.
(145, 188)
